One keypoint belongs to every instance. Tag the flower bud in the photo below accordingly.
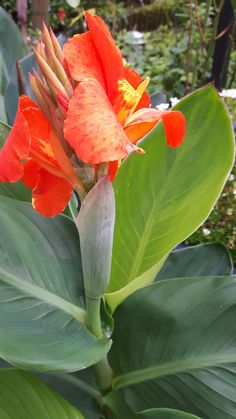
(95, 223)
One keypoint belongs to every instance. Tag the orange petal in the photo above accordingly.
(142, 121)
(91, 127)
(82, 58)
(46, 147)
(39, 129)
(175, 124)
(109, 53)
(31, 173)
(51, 194)
(135, 80)
(16, 147)
(113, 169)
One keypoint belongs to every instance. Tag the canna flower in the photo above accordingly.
(109, 100)
(91, 110)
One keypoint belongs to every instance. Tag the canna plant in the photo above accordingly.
(89, 290)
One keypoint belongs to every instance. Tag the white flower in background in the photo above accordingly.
(206, 231)
(174, 101)
(163, 106)
(229, 93)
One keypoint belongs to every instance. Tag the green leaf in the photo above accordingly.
(165, 414)
(42, 321)
(4, 132)
(211, 259)
(164, 195)
(180, 347)
(11, 93)
(12, 190)
(23, 396)
(95, 223)
(79, 389)
(11, 45)
(118, 406)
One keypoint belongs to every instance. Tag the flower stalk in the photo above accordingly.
(93, 316)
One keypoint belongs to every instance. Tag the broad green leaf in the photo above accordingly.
(180, 347)
(164, 195)
(23, 396)
(42, 321)
(11, 44)
(211, 259)
(79, 389)
(165, 414)
(11, 92)
(12, 190)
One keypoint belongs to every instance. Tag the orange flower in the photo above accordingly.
(90, 112)
(109, 111)
(34, 154)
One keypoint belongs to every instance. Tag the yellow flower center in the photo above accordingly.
(128, 98)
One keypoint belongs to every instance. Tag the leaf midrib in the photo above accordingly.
(148, 228)
(170, 368)
(43, 294)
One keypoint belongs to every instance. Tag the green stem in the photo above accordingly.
(102, 369)
(93, 316)
(103, 374)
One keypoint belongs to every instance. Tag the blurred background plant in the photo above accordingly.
(181, 45)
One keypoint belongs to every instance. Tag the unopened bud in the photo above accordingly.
(45, 92)
(39, 98)
(22, 85)
(57, 47)
(52, 80)
(46, 38)
(60, 72)
(95, 223)
(40, 50)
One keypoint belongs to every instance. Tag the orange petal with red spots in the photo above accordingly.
(135, 80)
(91, 127)
(51, 194)
(141, 122)
(83, 59)
(16, 147)
(109, 53)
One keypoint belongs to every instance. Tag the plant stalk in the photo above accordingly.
(103, 374)
(102, 369)
(93, 316)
